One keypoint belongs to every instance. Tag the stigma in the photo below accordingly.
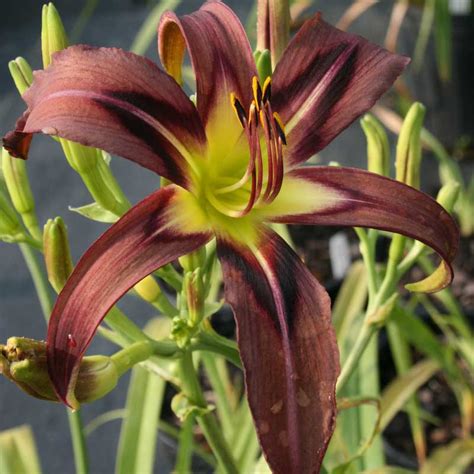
(266, 137)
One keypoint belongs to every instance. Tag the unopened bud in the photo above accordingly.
(18, 184)
(378, 148)
(263, 62)
(194, 290)
(148, 289)
(408, 159)
(448, 195)
(21, 73)
(9, 223)
(57, 255)
(273, 27)
(193, 260)
(23, 361)
(53, 35)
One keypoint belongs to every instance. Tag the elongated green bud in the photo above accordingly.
(448, 195)
(23, 361)
(193, 260)
(378, 148)
(194, 290)
(53, 35)
(9, 223)
(18, 184)
(263, 62)
(21, 73)
(57, 255)
(408, 159)
(273, 27)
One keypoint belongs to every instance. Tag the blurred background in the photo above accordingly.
(441, 44)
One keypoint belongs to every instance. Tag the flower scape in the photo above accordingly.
(234, 159)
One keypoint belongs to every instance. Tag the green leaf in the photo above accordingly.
(389, 470)
(18, 452)
(396, 395)
(147, 32)
(96, 212)
(451, 459)
(137, 444)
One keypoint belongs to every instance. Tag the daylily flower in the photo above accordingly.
(235, 159)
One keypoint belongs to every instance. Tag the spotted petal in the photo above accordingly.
(324, 195)
(324, 81)
(222, 60)
(288, 348)
(153, 233)
(117, 101)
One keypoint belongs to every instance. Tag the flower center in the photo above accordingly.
(262, 179)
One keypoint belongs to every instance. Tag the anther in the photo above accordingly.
(280, 128)
(267, 90)
(238, 109)
(257, 92)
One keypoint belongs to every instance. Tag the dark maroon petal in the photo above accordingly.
(117, 101)
(352, 197)
(151, 234)
(324, 81)
(220, 54)
(288, 348)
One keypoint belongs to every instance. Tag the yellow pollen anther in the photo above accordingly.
(257, 92)
(267, 88)
(280, 127)
(238, 109)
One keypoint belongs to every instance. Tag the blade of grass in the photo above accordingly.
(451, 459)
(18, 453)
(396, 395)
(443, 39)
(403, 361)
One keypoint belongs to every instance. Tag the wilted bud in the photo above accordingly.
(53, 35)
(408, 159)
(263, 62)
(448, 195)
(21, 73)
(57, 255)
(378, 148)
(193, 260)
(273, 27)
(23, 361)
(18, 184)
(148, 289)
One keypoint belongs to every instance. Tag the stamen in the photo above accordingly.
(257, 92)
(280, 127)
(238, 109)
(267, 89)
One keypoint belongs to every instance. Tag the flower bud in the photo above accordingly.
(448, 195)
(57, 255)
(408, 159)
(263, 62)
(21, 73)
(148, 289)
(194, 290)
(273, 27)
(16, 179)
(193, 260)
(53, 35)
(9, 223)
(23, 361)
(378, 148)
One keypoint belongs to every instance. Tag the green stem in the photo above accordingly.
(44, 295)
(78, 439)
(209, 426)
(39, 280)
(185, 447)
